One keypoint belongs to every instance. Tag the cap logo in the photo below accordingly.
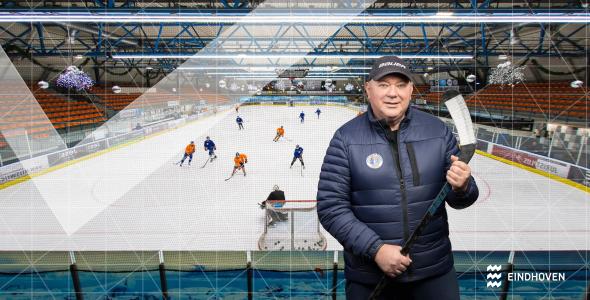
(391, 63)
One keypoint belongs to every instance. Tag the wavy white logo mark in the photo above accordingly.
(494, 268)
(494, 276)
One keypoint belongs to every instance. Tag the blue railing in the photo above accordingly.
(283, 275)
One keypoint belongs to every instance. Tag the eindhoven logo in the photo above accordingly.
(494, 277)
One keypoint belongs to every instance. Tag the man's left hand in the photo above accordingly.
(458, 175)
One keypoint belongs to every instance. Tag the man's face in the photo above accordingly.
(390, 96)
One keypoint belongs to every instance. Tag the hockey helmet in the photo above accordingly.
(276, 187)
(237, 153)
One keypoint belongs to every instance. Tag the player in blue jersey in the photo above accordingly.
(302, 117)
(209, 145)
(298, 154)
(239, 120)
(318, 112)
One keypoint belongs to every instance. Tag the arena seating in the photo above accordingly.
(555, 100)
(62, 113)
(120, 101)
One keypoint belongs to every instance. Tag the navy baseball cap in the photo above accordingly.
(386, 65)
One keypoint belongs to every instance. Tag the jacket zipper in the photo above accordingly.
(396, 155)
(404, 203)
(402, 185)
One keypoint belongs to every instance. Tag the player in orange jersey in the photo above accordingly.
(280, 133)
(188, 152)
(240, 161)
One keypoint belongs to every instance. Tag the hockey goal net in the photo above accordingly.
(291, 225)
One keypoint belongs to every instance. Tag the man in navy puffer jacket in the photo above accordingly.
(381, 172)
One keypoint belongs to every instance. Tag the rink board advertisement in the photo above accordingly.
(125, 137)
(515, 156)
(155, 128)
(553, 167)
(529, 160)
(22, 168)
(76, 152)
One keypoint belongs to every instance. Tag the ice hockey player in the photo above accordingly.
(240, 161)
(237, 108)
(318, 112)
(209, 145)
(298, 154)
(302, 116)
(188, 152)
(275, 216)
(239, 120)
(280, 133)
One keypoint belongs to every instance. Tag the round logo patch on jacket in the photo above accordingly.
(374, 161)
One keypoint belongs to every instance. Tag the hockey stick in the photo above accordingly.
(302, 166)
(233, 173)
(206, 161)
(178, 162)
(460, 114)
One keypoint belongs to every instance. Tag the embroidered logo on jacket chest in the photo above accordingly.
(374, 161)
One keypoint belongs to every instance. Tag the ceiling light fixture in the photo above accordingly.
(284, 56)
(404, 17)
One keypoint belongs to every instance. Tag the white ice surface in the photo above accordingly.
(136, 198)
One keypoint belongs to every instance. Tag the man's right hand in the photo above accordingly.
(391, 261)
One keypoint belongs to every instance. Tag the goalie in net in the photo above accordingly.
(290, 224)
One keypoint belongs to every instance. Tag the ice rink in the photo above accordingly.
(136, 198)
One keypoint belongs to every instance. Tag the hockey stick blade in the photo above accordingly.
(458, 110)
(230, 177)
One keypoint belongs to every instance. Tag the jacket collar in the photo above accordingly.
(373, 120)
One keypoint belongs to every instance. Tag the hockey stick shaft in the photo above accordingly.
(206, 161)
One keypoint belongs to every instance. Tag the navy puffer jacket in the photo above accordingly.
(364, 207)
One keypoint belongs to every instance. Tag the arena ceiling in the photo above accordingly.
(153, 38)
